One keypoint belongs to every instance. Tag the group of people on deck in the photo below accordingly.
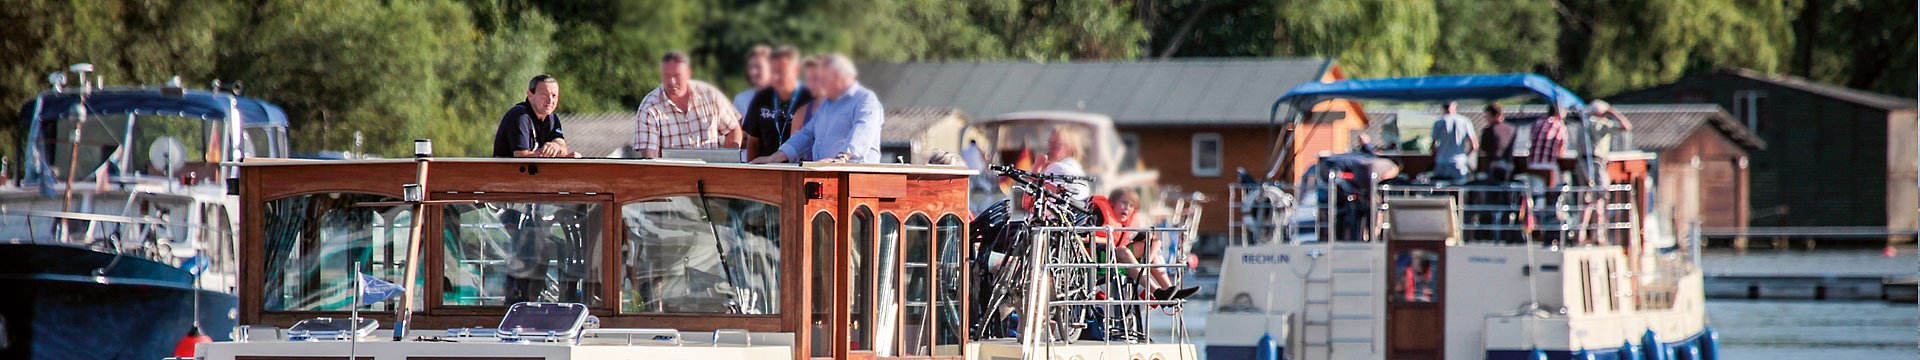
(1457, 146)
(827, 118)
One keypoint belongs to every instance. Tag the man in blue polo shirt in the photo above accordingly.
(843, 124)
(530, 128)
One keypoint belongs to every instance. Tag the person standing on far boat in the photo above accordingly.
(1497, 141)
(530, 128)
(843, 125)
(772, 114)
(1453, 145)
(759, 77)
(684, 113)
(1549, 141)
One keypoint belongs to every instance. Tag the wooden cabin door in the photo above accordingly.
(1416, 303)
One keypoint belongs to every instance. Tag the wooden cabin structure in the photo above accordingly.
(834, 260)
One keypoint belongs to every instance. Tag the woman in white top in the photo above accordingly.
(1063, 158)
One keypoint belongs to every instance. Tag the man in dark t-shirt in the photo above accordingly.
(530, 128)
(770, 117)
(1497, 141)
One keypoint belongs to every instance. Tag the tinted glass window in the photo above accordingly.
(677, 261)
(500, 253)
(314, 241)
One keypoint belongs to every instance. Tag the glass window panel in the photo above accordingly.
(860, 260)
(948, 246)
(823, 266)
(499, 253)
(887, 327)
(1415, 275)
(313, 242)
(676, 264)
(918, 324)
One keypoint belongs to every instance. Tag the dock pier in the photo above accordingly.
(1840, 274)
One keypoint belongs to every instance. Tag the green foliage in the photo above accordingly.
(1618, 45)
(1863, 44)
(1495, 36)
(1372, 37)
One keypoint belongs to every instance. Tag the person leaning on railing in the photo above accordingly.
(530, 128)
(843, 123)
(683, 113)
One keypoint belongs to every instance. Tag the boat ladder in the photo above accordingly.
(1340, 313)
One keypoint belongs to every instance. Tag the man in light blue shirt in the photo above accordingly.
(844, 125)
(1454, 141)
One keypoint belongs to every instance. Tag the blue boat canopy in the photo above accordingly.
(194, 103)
(1434, 88)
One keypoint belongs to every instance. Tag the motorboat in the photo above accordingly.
(118, 230)
(615, 259)
(1351, 259)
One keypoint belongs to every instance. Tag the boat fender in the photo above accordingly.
(1537, 354)
(1652, 348)
(1690, 350)
(1710, 345)
(185, 349)
(1265, 349)
(1583, 354)
(1630, 352)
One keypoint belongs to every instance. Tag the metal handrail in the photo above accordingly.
(1041, 299)
(1560, 212)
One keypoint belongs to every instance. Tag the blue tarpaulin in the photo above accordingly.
(1434, 88)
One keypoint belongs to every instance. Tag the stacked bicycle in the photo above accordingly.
(1005, 264)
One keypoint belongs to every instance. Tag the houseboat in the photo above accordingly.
(616, 259)
(1351, 260)
(116, 224)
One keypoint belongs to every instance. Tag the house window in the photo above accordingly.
(1747, 105)
(1206, 154)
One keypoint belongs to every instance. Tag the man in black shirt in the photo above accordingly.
(530, 128)
(770, 118)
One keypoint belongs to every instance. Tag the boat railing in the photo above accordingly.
(1264, 213)
(150, 236)
(1082, 280)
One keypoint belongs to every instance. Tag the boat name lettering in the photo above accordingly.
(1486, 260)
(1264, 258)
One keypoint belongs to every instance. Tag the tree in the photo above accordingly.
(1493, 36)
(1610, 46)
(354, 66)
(1860, 44)
(609, 51)
(1374, 37)
(1210, 28)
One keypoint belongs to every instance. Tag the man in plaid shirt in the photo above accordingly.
(1549, 140)
(684, 114)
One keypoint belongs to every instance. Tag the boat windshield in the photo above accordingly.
(104, 144)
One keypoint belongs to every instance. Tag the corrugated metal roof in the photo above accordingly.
(906, 123)
(599, 135)
(1183, 92)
